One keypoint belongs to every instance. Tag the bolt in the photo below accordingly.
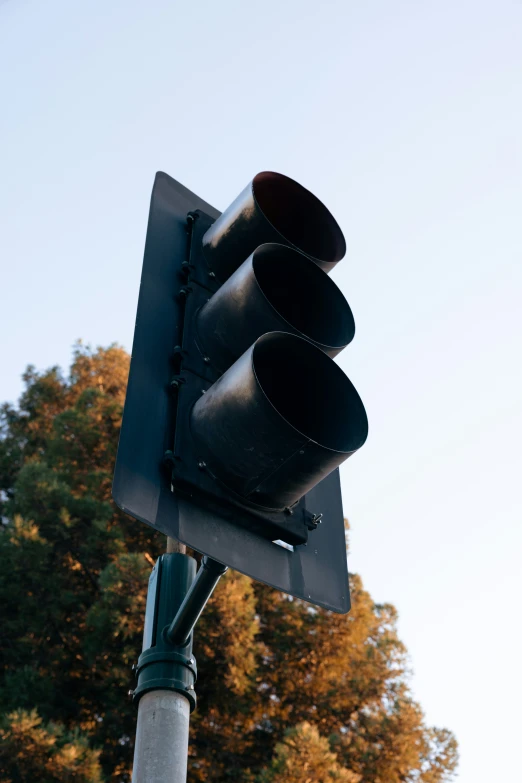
(202, 465)
(174, 385)
(289, 511)
(212, 274)
(206, 359)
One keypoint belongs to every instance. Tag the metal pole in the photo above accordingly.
(162, 731)
(160, 753)
(175, 546)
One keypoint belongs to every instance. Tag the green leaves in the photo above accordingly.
(32, 750)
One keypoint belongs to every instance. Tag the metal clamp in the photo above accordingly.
(166, 669)
(166, 664)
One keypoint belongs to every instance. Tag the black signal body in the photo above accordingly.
(271, 437)
(273, 208)
(196, 438)
(275, 289)
(236, 417)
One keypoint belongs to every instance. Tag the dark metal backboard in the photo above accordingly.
(316, 571)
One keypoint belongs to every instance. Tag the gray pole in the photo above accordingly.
(162, 732)
(160, 753)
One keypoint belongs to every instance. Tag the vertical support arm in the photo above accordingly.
(166, 676)
(166, 668)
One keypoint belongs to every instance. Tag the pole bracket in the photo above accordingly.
(181, 628)
(164, 665)
(170, 670)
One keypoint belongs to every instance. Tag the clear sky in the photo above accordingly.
(405, 117)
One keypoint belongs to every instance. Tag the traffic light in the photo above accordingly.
(237, 416)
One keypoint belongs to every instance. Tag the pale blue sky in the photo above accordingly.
(406, 119)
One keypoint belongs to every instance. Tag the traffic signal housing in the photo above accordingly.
(233, 395)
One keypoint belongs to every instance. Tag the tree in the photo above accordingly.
(31, 751)
(285, 692)
(306, 757)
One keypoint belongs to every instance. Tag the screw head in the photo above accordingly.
(202, 464)
(174, 386)
(212, 274)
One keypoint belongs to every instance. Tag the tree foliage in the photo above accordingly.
(286, 692)
(303, 756)
(30, 750)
